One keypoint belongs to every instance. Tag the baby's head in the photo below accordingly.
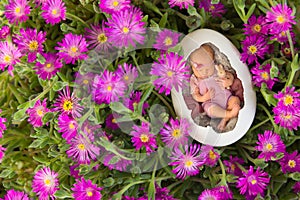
(202, 61)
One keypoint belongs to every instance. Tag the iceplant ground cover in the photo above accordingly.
(86, 110)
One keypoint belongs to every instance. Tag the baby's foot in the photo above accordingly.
(222, 124)
(234, 111)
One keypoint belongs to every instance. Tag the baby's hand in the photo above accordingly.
(209, 94)
(227, 81)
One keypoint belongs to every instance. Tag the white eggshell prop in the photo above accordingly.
(206, 134)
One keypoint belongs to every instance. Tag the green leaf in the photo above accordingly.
(47, 117)
(163, 21)
(108, 182)
(62, 194)
(59, 85)
(152, 7)
(40, 58)
(250, 12)
(260, 163)
(119, 108)
(295, 176)
(20, 115)
(151, 190)
(274, 70)
(41, 159)
(5, 173)
(24, 105)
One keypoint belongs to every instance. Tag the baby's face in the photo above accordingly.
(202, 64)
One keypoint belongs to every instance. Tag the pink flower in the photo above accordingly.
(86, 190)
(54, 11)
(17, 11)
(181, 3)
(37, 113)
(113, 6)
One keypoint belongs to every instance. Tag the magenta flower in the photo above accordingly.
(97, 39)
(127, 72)
(141, 137)
(86, 190)
(67, 126)
(111, 122)
(45, 183)
(2, 125)
(9, 56)
(15, 195)
(113, 6)
(296, 187)
(232, 167)
(2, 150)
(253, 182)
(108, 88)
(30, 42)
(166, 39)
(68, 104)
(286, 119)
(133, 101)
(188, 162)
(85, 81)
(113, 161)
(261, 74)
(224, 192)
(209, 195)
(172, 71)
(163, 193)
(256, 26)
(74, 171)
(126, 28)
(254, 47)
(37, 113)
(181, 3)
(4, 32)
(17, 11)
(280, 18)
(176, 133)
(48, 69)
(269, 144)
(282, 37)
(53, 11)
(72, 48)
(289, 100)
(216, 10)
(82, 150)
(209, 156)
(290, 162)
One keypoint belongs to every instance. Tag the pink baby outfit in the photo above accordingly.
(221, 94)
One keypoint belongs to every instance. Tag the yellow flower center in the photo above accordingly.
(176, 133)
(54, 12)
(47, 182)
(89, 193)
(109, 88)
(18, 10)
(40, 112)
(71, 125)
(212, 155)
(292, 163)
(287, 50)
(134, 104)
(74, 49)
(169, 74)
(81, 147)
(288, 116)
(288, 100)
(125, 29)
(265, 75)
(168, 41)
(144, 138)
(48, 65)
(257, 27)
(188, 163)
(212, 7)
(253, 182)
(232, 167)
(269, 147)
(113, 120)
(280, 19)
(283, 34)
(7, 58)
(115, 3)
(33, 45)
(126, 77)
(102, 38)
(252, 49)
(68, 105)
(85, 81)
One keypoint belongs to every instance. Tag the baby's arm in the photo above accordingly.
(195, 91)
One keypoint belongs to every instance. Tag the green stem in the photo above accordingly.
(85, 116)
(44, 92)
(15, 92)
(291, 43)
(269, 116)
(223, 171)
(182, 16)
(164, 178)
(136, 64)
(166, 103)
(73, 17)
(258, 125)
(119, 194)
(241, 167)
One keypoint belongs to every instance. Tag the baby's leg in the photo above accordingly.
(233, 108)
